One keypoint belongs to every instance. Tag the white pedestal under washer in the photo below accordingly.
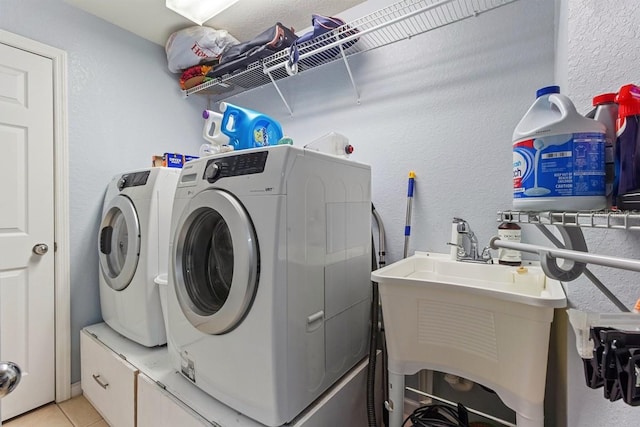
(133, 250)
(269, 278)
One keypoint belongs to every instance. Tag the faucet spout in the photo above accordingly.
(465, 231)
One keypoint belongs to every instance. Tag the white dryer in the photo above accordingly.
(269, 277)
(133, 250)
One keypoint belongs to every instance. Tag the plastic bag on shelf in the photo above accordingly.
(196, 45)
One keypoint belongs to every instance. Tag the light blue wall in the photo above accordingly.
(443, 104)
(124, 107)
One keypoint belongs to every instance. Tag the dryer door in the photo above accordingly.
(119, 243)
(216, 262)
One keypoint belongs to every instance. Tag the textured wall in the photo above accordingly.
(602, 53)
(124, 106)
(603, 42)
(443, 104)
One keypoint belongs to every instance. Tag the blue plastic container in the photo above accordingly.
(247, 128)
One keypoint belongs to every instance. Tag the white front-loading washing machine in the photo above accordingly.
(269, 277)
(133, 250)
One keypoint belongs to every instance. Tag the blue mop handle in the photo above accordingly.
(407, 227)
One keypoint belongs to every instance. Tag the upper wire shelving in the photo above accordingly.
(399, 21)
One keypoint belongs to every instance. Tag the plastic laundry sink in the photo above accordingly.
(488, 323)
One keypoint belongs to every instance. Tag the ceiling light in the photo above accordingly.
(199, 11)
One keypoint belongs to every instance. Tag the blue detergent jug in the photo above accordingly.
(247, 128)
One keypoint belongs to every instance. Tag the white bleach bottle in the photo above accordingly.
(558, 157)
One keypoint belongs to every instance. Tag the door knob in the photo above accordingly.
(40, 249)
(9, 377)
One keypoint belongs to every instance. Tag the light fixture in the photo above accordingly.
(199, 11)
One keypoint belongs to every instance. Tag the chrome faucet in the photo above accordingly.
(464, 230)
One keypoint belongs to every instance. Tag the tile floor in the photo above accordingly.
(76, 412)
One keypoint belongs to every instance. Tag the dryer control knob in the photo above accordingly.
(212, 171)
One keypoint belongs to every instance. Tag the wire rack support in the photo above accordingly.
(621, 220)
(607, 219)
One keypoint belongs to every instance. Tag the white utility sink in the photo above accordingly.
(488, 323)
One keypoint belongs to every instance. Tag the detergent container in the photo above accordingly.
(558, 157)
(628, 147)
(606, 112)
(332, 143)
(247, 128)
(217, 142)
(212, 129)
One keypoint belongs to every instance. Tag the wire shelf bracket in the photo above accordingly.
(576, 221)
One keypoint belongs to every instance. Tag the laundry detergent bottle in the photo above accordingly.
(558, 157)
(606, 112)
(628, 147)
(247, 128)
(212, 129)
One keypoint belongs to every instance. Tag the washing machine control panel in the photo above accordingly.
(240, 164)
(133, 179)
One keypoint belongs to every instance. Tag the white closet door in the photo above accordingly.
(27, 226)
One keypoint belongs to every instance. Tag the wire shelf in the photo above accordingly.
(399, 21)
(623, 220)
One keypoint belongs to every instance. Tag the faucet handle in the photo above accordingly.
(461, 250)
(486, 254)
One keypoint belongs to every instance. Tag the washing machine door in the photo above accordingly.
(119, 243)
(216, 262)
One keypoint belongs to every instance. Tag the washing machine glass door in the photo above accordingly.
(119, 243)
(216, 262)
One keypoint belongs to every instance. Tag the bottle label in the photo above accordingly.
(510, 255)
(260, 137)
(559, 166)
(264, 134)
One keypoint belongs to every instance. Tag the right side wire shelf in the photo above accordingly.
(623, 220)
(393, 23)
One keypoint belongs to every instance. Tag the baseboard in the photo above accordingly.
(76, 389)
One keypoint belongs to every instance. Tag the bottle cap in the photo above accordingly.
(629, 101)
(604, 98)
(547, 90)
